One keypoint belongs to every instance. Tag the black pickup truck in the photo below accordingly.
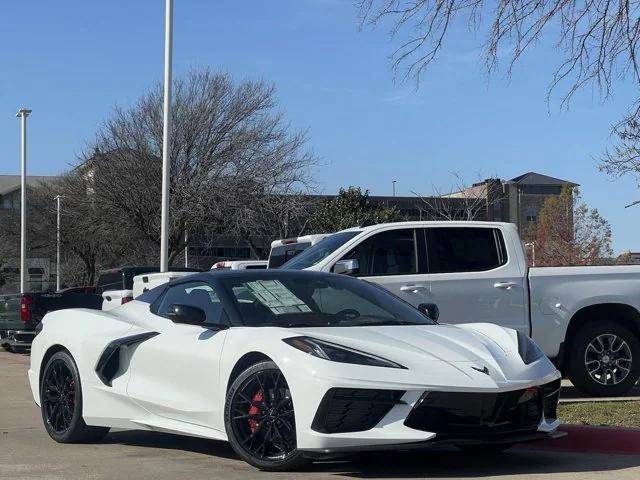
(20, 314)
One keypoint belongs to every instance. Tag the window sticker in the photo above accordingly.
(275, 296)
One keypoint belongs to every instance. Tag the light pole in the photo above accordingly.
(166, 136)
(23, 113)
(393, 182)
(57, 199)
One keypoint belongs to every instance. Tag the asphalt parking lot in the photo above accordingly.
(26, 452)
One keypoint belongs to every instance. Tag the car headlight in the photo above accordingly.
(337, 353)
(528, 350)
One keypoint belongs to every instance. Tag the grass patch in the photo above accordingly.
(613, 414)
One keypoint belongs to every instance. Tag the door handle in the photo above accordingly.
(505, 285)
(412, 288)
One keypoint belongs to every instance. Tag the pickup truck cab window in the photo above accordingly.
(462, 249)
(392, 252)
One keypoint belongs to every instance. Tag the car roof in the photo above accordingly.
(268, 274)
(150, 296)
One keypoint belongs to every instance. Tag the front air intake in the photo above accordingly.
(353, 409)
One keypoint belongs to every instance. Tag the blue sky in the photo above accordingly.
(73, 61)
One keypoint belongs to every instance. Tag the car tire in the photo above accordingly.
(612, 372)
(259, 411)
(61, 402)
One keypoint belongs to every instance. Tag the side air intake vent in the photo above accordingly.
(109, 362)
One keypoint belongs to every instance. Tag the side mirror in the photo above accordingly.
(346, 267)
(186, 314)
(430, 310)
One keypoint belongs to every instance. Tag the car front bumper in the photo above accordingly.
(450, 418)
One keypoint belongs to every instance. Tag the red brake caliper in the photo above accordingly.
(253, 410)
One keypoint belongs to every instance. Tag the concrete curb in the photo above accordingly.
(591, 439)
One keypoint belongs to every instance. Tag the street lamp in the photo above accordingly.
(57, 199)
(166, 140)
(393, 182)
(23, 113)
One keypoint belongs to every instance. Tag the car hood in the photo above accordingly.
(477, 345)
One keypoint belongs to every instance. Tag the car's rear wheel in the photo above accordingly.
(604, 359)
(61, 402)
(260, 419)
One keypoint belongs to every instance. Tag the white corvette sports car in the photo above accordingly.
(289, 366)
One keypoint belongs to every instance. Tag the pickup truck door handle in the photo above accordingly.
(412, 288)
(505, 285)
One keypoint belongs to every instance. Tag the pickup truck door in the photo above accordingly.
(474, 279)
(395, 260)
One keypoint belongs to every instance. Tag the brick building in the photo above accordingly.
(518, 201)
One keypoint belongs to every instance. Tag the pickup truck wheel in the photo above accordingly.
(604, 359)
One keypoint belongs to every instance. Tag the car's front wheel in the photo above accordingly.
(260, 420)
(61, 402)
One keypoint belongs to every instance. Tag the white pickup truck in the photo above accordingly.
(586, 319)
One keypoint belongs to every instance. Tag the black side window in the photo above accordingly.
(387, 253)
(194, 294)
(463, 249)
(110, 281)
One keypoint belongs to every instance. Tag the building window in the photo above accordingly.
(532, 214)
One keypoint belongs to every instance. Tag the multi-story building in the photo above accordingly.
(518, 201)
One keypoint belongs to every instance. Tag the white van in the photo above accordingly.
(285, 249)
(240, 265)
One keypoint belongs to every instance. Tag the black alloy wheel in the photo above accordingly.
(58, 396)
(61, 402)
(604, 359)
(260, 419)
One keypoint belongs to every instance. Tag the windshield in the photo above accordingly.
(319, 251)
(318, 302)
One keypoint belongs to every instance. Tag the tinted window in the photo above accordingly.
(464, 249)
(336, 301)
(387, 253)
(282, 254)
(110, 281)
(319, 251)
(194, 294)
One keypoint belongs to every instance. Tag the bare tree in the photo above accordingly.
(232, 156)
(91, 237)
(597, 40)
(8, 246)
(462, 201)
(624, 158)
